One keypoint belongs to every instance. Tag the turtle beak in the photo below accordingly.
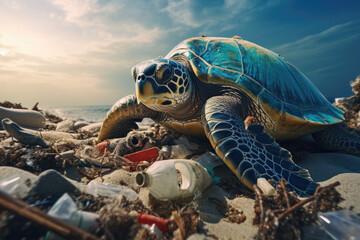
(138, 100)
(144, 92)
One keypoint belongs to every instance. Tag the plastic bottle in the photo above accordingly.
(65, 209)
(174, 179)
(334, 225)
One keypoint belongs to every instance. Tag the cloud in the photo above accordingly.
(327, 40)
(224, 14)
(329, 58)
(76, 10)
(13, 4)
(84, 49)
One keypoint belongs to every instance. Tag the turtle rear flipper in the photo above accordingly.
(250, 153)
(338, 138)
(122, 116)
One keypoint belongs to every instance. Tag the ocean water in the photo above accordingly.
(89, 114)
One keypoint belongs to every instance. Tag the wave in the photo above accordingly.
(89, 114)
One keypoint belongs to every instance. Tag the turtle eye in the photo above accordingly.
(164, 72)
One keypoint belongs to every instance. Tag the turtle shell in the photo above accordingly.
(275, 84)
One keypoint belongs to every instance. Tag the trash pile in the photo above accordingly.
(282, 214)
(351, 106)
(49, 149)
(58, 182)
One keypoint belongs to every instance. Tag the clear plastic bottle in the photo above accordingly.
(174, 179)
(336, 225)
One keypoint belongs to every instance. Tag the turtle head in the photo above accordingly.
(161, 84)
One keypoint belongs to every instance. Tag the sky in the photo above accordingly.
(80, 52)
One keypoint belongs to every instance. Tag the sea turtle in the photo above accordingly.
(210, 85)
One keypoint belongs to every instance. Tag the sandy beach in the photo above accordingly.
(73, 159)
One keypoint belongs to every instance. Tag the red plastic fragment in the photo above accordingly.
(149, 155)
(103, 145)
(148, 219)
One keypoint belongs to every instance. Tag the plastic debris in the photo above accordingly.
(63, 208)
(155, 230)
(65, 126)
(80, 124)
(183, 178)
(103, 145)
(265, 187)
(110, 144)
(68, 154)
(178, 151)
(142, 165)
(183, 140)
(148, 219)
(334, 225)
(209, 160)
(148, 155)
(15, 186)
(280, 216)
(66, 210)
(93, 127)
(134, 141)
(110, 190)
(21, 134)
(23, 117)
(46, 221)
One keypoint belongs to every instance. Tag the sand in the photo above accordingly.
(324, 168)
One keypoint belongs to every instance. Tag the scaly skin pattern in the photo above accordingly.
(250, 153)
(338, 138)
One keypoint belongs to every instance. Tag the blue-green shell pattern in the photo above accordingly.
(259, 72)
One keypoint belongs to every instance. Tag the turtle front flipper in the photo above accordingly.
(122, 116)
(250, 153)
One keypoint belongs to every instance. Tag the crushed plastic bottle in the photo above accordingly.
(110, 190)
(183, 178)
(66, 210)
(334, 225)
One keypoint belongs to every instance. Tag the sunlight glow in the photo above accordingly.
(3, 53)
